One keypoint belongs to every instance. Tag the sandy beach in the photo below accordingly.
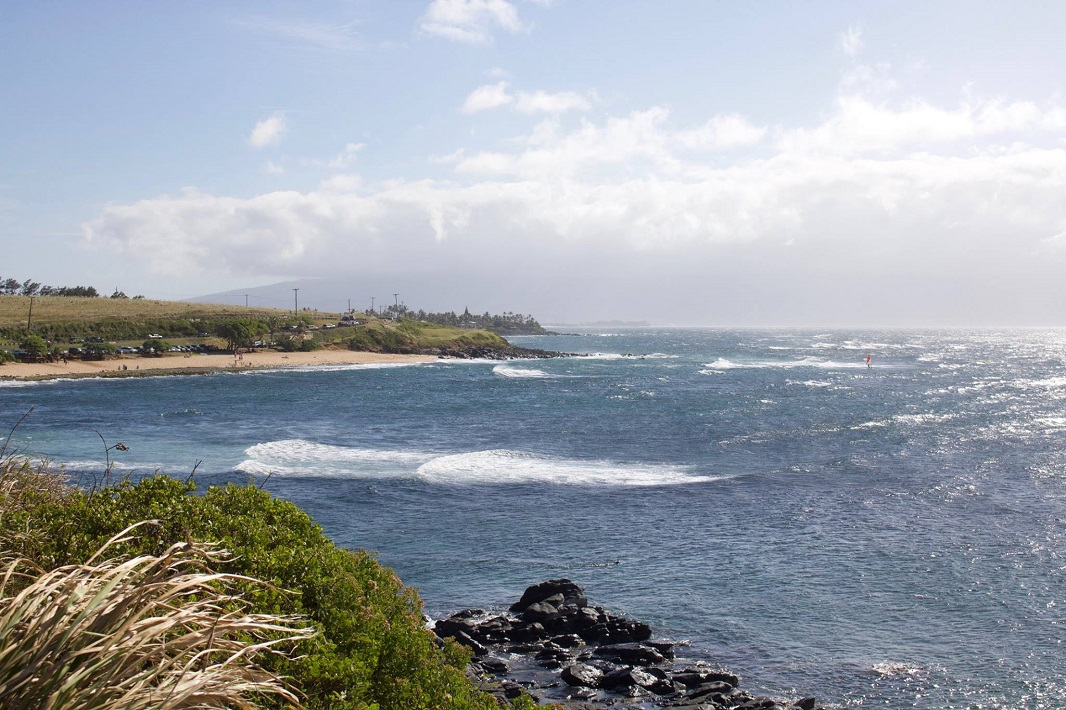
(175, 363)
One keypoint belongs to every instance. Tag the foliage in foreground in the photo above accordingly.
(371, 648)
(154, 631)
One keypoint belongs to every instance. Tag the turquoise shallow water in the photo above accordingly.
(883, 537)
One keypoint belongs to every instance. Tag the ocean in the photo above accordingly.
(886, 536)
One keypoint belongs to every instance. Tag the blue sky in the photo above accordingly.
(683, 162)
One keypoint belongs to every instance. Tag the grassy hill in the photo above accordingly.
(63, 320)
(53, 310)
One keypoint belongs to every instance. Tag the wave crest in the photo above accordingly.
(298, 457)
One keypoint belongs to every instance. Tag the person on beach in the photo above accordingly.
(869, 357)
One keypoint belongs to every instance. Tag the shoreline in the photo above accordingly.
(197, 364)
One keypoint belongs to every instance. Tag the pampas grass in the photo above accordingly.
(148, 632)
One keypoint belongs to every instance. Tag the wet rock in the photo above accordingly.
(693, 678)
(493, 666)
(545, 590)
(568, 640)
(554, 637)
(633, 653)
(583, 675)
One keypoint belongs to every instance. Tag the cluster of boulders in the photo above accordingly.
(467, 351)
(555, 647)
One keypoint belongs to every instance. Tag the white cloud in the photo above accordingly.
(469, 21)
(333, 37)
(346, 157)
(925, 204)
(544, 102)
(863, 127)
(851, 40)
(268, 131)
(272, 168)
(487, 97)
(722, 132)
(868, 80)
(492, 96)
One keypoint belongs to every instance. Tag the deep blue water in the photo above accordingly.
(883, 537)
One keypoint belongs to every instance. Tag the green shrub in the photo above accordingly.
(372, 648)
(376, 337)
(34, 346)
(146, 633)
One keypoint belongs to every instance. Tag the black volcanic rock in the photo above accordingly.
(559, 591)
(558, 649)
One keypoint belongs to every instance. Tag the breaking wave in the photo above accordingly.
(521, 373)
(505, 466)
(298, 457)
(722, 364)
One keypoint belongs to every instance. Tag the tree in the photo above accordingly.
(240, 332)
(86, 291)
(34, 346)
(119, 294)
(155, 347)
(97, 351)
(29, 288)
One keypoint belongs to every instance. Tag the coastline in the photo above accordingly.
(198, 363)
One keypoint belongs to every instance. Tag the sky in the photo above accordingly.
(684, 162)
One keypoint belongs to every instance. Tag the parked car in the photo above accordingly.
(155, 336)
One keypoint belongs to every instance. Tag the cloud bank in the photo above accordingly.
(898, 199)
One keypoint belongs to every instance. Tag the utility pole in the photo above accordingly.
(349, 305)
(371, 304)
(296, 302)
(29, 318)
(246, 300)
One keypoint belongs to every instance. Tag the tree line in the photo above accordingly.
(29, 287)
(506, 323)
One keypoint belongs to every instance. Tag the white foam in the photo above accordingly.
(308, 458)
(1050, 383)
(510, 371)
(816, 384)
(304, 368)
(299, 457)
(722, 364)
(505, 466)
(27, 383)
(601, 356)
(894, 668)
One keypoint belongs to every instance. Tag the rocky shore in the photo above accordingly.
(485, 352)
(555, 647)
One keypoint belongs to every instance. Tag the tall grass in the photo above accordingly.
(154, 631)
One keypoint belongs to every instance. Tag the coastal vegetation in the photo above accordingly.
(93, 328)
(506, 323)
(42, 323)
(411, 336)
(327, 625)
